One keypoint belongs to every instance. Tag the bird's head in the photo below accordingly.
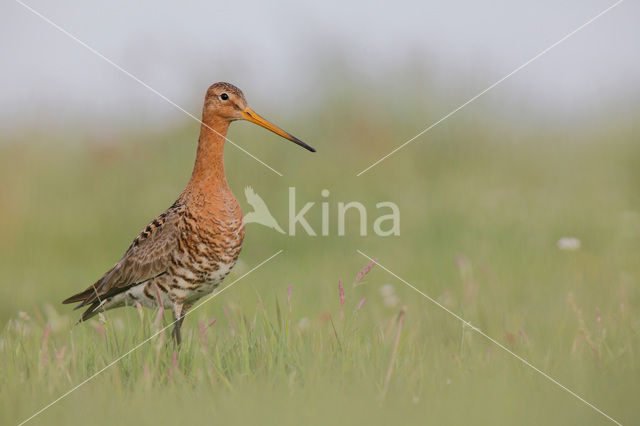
(226, 102)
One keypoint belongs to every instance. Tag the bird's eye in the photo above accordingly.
(224, 96)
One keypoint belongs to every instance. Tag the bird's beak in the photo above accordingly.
(249, 115)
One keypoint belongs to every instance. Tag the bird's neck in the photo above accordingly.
(208, 171)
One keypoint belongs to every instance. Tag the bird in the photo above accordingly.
(260, 213)
(186, 252)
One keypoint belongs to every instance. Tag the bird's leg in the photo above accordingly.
(179, 311)
(178, 317)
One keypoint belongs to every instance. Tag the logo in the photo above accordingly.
(260, 214)
(386, 223)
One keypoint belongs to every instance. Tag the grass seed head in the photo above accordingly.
(364, 271)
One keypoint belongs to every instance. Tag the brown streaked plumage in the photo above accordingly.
(185, 253)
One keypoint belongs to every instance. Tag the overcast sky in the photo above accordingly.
(279, 52)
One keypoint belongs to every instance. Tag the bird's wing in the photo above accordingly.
(147, 257)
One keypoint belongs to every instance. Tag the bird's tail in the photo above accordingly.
(81, 297)
(87, 297)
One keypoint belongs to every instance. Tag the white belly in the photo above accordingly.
(212, 282)
(137, 294)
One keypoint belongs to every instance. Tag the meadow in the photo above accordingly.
(483, 206)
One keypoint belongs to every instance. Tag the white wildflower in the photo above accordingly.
(389, 297)
(304, 324)
(387, 290)
(568, 243)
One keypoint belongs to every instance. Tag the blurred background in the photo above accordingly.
(288, 54)
(488, 198)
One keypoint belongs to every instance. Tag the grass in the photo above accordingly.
(483, 205)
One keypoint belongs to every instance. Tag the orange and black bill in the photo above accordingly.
(251, 116)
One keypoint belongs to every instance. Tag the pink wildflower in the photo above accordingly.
(364, 271)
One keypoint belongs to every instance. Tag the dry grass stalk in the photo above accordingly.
(470, 286)
(583, 328)
(342, 299)
(140, 313)
(394, 353)
(202, 328)
(44, 351)
(226, 314)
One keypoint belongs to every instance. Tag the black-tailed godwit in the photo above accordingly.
(186, 252)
